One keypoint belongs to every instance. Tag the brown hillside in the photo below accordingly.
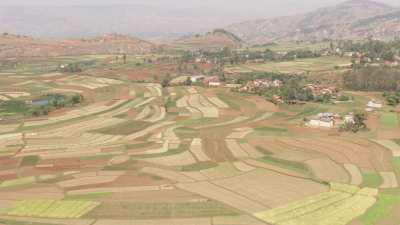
(23, 46)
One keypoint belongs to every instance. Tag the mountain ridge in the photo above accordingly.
(341, 21)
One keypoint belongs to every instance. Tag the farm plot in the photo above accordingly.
(154, 89)
(269, 188)
(337, 207)
(327, 170)
(301, 65)
(88, 82)
(9, 95)
(242, 150)
(218, 102)
(223, 195)
(180, 159)
(389, 120)
(51, 209)
(196, 149)
(200, 103)
(389, 180)
(363, 154)
(355, 174)
(391, 145)
(11, 139)
(95, 179)
(85, 111)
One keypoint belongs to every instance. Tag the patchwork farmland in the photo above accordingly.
(141, 153)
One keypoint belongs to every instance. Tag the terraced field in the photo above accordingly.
(139, 153)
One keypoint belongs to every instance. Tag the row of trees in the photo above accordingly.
(40, 107)
(372, 48)
(372, 79)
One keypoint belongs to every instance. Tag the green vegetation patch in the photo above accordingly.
(371, 179)
(89, 196)
(265, 131)
(186, 132)
(230, 101)
(124, 128)
(389, 120)
(396, 164)
(18, 182)
(199, 166)
(286, 164)
(141, 210)
(30, 160)
(382, 208)
(12, 222)
(51, 209)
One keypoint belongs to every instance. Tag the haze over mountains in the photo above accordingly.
(354, 19)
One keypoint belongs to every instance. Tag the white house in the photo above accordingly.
(324, 122)
(373, 106)
(197, 78)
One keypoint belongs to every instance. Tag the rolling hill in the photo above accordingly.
(24, 46)
(354, 19)
(218, 38)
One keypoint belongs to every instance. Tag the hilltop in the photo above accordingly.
(17, 45)
(218, 38)
(354, 19)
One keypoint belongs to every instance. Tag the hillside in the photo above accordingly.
(219, 38)
(354, 19)
(15, 45)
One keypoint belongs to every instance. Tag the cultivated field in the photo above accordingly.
(140, 153)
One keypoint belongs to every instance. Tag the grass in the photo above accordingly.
(382, 208)
(89, 196)
(180, 149)
(18, 182)
(389, 120)
(128, 165)
(371, 179)
(30, 160)
(199, 166)
(11, 222)
(396, 164)
(301, 65)
(266, 131)
(286, 164)
(149, 210)
(50, 208)
(186, 132)
(230, 101)
(124, 128)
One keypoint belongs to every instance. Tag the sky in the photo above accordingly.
(264, 8)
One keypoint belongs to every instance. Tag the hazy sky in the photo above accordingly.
(265, 8)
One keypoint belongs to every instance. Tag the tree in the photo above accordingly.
(124, 57)
(188, 81)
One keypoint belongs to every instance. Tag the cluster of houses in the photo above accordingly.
(254, 85)
(328, 120)
(320, 90)
(212, 81)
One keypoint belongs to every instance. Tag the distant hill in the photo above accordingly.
(17, 46)
(354, 19)
(219, 38)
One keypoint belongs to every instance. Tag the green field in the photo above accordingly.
(147, 210)
(372, 180)
(298, 66)
(18, 182)
(286, 164)
(389, 120)
(383, 207)
(51, 209)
